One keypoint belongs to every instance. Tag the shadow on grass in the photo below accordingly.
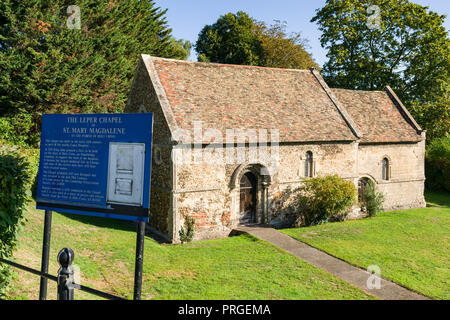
(102, 222)
(440, 198)
(115, 224)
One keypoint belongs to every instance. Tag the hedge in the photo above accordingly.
(14, 196)
(437, 165)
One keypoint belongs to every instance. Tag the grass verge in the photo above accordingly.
(410, 246)
(233, 268)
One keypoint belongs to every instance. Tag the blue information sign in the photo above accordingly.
(96, 164)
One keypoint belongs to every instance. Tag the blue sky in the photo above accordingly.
(188, 17)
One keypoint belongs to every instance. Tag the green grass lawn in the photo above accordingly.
(410, 246)
(232, 268)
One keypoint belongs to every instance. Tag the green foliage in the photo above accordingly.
(14, 180)
(409, 52)
(317, 201)
(239, 39)
(434, 114)
(186, 235)
(437, 165)
(182, 48)
(47, 67)
(326, 197)
(230, 40)
(31, 156)
(282, 50)
(18, 129)
(373, 199)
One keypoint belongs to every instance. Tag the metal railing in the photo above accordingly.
(64, 279)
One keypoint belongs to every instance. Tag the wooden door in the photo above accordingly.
(247, 198)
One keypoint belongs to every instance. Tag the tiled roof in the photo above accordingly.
(227, 96)
(378, 117)
(298, 103)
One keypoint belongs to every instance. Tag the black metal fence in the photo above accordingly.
(64, 279)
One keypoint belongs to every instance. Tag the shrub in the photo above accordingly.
(14, 180)
(373, 200)
(325, 198)
(186, 235)
(32, 158)
(16, 130)
(437, 164)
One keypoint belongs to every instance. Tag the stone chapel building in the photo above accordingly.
(303, 129)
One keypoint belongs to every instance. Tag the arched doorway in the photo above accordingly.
(248, 200)
(249, 191)
(362, 183)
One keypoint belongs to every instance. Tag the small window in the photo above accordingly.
(309, 164)
(385, 169)
(157, 156)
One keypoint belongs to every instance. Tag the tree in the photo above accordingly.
(433, 113)
(182, 48)
(282, 50)
(374, 43)
(230, 40)
(239, 39)
(50, 65)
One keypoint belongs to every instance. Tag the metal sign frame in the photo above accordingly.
(52, 126)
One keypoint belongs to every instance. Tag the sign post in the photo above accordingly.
(139, 261)
(45, 254)
(98, 165)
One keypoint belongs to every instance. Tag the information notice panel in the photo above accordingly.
(96, 164)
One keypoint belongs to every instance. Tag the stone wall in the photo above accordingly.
(404, 189)
(207, 192)
(143, 98)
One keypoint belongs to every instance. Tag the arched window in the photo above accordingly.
(385, 169)
(309, 164)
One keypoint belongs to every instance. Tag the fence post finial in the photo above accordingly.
(65, 274)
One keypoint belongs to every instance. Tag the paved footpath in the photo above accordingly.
(356, 276)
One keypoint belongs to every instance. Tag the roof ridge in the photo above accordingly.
(161, 95)
(402, 109)
(216, 64)
(357, 90)
(341, 109)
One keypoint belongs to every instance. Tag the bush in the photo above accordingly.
(14, 180)
(437, 165)
(32, 158)
(373, 200)
(186, 235)
(16, 130)
(325, 198)
(317, 201)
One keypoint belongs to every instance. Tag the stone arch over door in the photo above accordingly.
(362, 182)
(249, 194)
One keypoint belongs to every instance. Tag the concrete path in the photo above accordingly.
(356, 276)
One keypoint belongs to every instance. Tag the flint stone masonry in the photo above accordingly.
(349, 133)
